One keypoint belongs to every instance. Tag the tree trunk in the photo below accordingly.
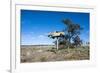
(69, 43)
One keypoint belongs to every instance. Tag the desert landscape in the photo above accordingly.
(37, 53)
(49, 36)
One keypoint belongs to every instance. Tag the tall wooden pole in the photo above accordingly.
(57, 44)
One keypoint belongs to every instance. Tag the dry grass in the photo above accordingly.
(43, 55)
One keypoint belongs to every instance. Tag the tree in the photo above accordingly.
(63, 43)
(77, 41)
(71, 30)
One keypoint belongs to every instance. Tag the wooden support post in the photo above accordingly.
(57, 44)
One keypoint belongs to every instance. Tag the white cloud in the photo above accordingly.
(41, 36)
(36, 39)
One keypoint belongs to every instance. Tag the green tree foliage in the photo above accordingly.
(77, 41)
(71, 30)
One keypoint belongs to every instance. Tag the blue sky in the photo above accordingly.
(35, 25)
